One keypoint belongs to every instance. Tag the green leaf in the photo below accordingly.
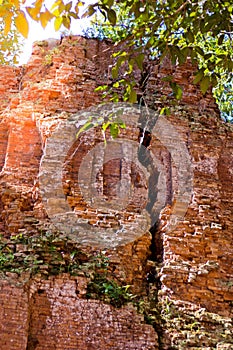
(208, 26)
(214, 80)
(133, 96)
(181, 57)
(220, 39)
(112, 16)
(114, 130)
(139, 60)
(202, 26)
(105, 125)
(109, 3)
(115, 72)
(190, 36)
(192, 14)
(178, 92)
(121, 124)
(121, 60)
(165, 111)
(198, 76)
(131, 65)
(204, 84)
(207, 56)
(230, 65)
(101, 88)
(199, 50)
(118, 53)
(185, 53)
(85, 127)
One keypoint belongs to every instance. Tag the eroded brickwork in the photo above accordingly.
(52, 314)
(193, 261)
(198, 252)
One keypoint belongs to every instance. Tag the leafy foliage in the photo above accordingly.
(177, 29)
(224, 97)
(51, 253)
(113, 126)
(9, 46)
(103, 288)
(104, 29)
(223, 90)
(47, 253)
(109, 291)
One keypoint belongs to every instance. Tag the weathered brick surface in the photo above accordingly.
(196, 256)
(52, 315)
(14, 317)
(198, 253)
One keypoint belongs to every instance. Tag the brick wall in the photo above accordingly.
(193, 260)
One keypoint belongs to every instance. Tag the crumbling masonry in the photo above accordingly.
(187, 270)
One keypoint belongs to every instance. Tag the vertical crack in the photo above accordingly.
(146, 160)
(156, 248)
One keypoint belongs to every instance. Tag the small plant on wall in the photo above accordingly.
(100, 287)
